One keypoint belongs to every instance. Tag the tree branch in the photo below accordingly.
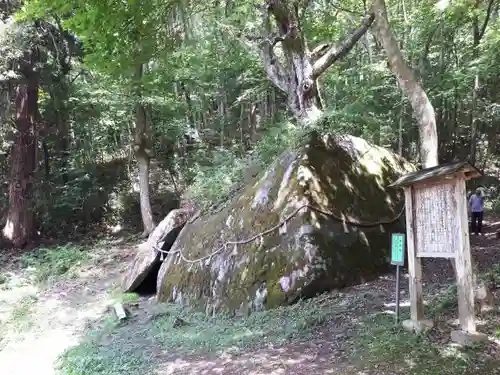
(339, 50)
(487, 18)
(319, 51)
(275, 71)
(347, 10)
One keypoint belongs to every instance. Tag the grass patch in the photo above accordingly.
(119, 297)
(383, 344)
(49, 263)
(104, 352)
(93, 358)
(492, 276)
(21, 317)
(23, 309)
(445, 301)
(379, 346)
(210, 334)
(4, 281)
(117, 349)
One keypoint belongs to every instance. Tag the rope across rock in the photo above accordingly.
(282, 222)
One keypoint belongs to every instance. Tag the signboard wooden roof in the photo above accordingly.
(438, 172)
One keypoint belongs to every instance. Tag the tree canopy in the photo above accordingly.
(205, 92)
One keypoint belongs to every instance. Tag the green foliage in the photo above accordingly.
(446, 301)
(3, 279)
(21, 318)
(120, 297)
(493, 275)
(83, 201)
(200, 77)
(495, 205)
(52, 263)
(228, 170)
(387, 347)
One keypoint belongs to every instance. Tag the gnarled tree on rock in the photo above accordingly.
(289, 62)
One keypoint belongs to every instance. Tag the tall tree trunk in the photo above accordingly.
(422, 107)
(297, 73)
(477, 34)
(401, 128)
(63, 137)
(189, 103)
(19, 228)
(474, 120)
(476, 37)
(483, 291)
(46, 159)
(143, 154)
(61, 122)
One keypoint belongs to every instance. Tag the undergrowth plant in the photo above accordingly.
(47, 263)
(386, 346)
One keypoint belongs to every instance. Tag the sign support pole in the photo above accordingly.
(397, 293)
(398, 260)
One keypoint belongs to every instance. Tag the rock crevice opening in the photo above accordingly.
(142, 276)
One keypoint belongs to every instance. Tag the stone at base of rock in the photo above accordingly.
(467, 338)
(418, 327)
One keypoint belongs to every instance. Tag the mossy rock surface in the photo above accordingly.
(343, 176)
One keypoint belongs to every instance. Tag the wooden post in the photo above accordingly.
(463, 263)
(414, 263)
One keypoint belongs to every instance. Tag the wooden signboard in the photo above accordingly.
(436, 220)
(437, 227)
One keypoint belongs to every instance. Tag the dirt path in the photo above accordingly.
(42, 324)
(327, 352)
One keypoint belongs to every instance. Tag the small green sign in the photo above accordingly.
(398, 249)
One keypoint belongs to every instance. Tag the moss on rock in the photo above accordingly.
(313, 252)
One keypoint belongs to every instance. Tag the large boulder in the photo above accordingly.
(148, 259)
(319, 218)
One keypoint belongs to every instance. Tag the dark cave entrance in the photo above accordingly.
(147, 287)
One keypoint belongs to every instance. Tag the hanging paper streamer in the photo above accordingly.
(235, 249)
(283, 228)
(261, 242)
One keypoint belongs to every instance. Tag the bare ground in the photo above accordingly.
(39, 324)
(34, 335)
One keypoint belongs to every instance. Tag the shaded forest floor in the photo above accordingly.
(55, 319)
